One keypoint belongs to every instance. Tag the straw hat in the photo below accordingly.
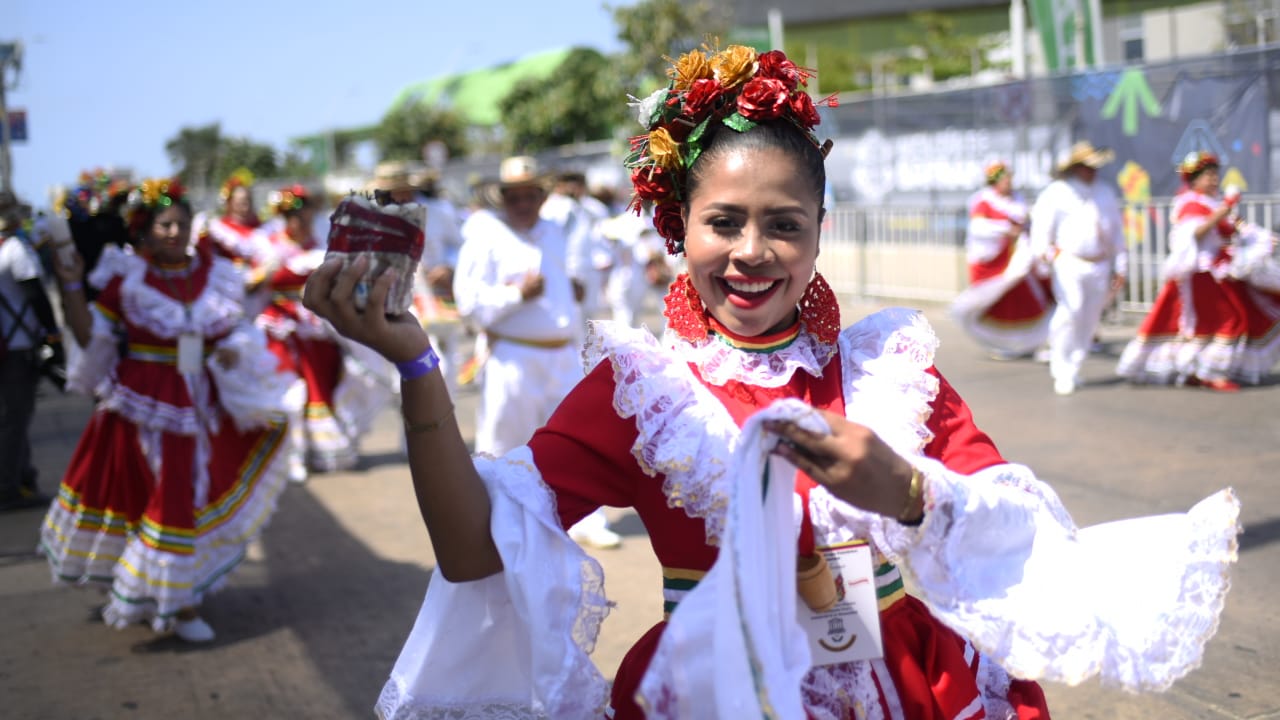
(514, 172)
(1084, 153)
(391, 176)
(424, 178)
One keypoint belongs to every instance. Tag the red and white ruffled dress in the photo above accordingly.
(1207, 324)
(166, 487)
(331, 406)
(1008, 304)
(673, 430)
(250, 250)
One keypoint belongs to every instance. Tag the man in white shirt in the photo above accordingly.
(578, 216)
(25, 318)
(512, 282)
(1076, 226)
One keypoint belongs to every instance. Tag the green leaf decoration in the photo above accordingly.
(696, 134)
(691, 156)
(739, 123)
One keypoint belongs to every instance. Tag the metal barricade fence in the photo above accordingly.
(914, 253)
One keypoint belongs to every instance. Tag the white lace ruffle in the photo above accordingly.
(531, 628)
(718, 362)
(886, 360)
(684, 432)
(1132, 602)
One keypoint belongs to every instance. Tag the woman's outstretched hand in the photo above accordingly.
(852, 462)
(330, 293)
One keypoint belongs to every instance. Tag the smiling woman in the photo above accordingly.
(868, 459)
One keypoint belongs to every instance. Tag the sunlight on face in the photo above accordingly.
(170, 233)
(752, 239)
(240, 203)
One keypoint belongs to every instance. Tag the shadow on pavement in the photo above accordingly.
(1257, 534)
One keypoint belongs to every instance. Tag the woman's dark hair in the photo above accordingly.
(776, 135)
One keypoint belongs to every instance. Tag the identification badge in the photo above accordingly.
(850, 630)
(190, 353)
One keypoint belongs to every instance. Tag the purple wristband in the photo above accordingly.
(425, 363)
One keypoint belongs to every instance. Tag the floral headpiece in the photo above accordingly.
(95, 190)
(737, 87)
(995, 171)
(1196, 162)
(241, 177)
(149, 198)
(289, 199)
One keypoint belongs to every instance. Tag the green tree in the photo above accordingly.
(241, 152)
(582, 100)
(410, 125)
(653, 29)
(942, 51)
(195, 150)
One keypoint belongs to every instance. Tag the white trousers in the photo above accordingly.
(1081, 289)
(522, 386)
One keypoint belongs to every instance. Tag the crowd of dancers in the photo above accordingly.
(1041, 277)
(214, 386)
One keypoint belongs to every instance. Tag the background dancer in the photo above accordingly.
(181, 463)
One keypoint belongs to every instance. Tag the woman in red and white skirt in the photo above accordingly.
(1207, 328)
(331, 406)
(181, 463)
(1008, 304)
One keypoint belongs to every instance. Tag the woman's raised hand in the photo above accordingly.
(330, 293)
(852, 462)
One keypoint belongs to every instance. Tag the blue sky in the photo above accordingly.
(107, 83)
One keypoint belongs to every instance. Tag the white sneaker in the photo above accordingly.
(601, 538)
(1064, 386)
(195, 630)
(1041, 355)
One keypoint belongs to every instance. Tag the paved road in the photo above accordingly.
(311, 623)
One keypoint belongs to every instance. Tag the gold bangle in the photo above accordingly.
(425, 427)
(913, 495)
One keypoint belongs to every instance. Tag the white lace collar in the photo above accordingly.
(719, 362)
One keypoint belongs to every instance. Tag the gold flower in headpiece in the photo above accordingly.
(691, 66)
(734, 65)
(152, 191)
(664, 150)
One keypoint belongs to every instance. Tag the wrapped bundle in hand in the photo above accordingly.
(390, 236)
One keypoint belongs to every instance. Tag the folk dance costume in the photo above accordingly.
(1208, 325)
(1077, 226)
(997, 556)
(331, 406)
(179, 467)
(1007, 305)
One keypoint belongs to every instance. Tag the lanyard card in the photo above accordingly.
(190, 353)
(851, 629)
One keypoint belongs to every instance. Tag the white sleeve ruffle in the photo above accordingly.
(1132, 602)
(252, 391)
(517, 644)
(89, 367)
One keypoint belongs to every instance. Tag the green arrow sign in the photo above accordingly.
(1133, 92)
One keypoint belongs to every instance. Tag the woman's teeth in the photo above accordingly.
(749, 287)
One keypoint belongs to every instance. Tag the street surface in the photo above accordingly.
(311, 623)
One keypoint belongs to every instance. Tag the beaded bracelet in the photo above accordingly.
(425, 363)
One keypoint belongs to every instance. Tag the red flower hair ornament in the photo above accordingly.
(736, 87)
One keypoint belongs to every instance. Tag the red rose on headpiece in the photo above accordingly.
(652, 183)
(774, 64)
(701, 98)
(803, 108)
(670, 225)
(763, 98)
